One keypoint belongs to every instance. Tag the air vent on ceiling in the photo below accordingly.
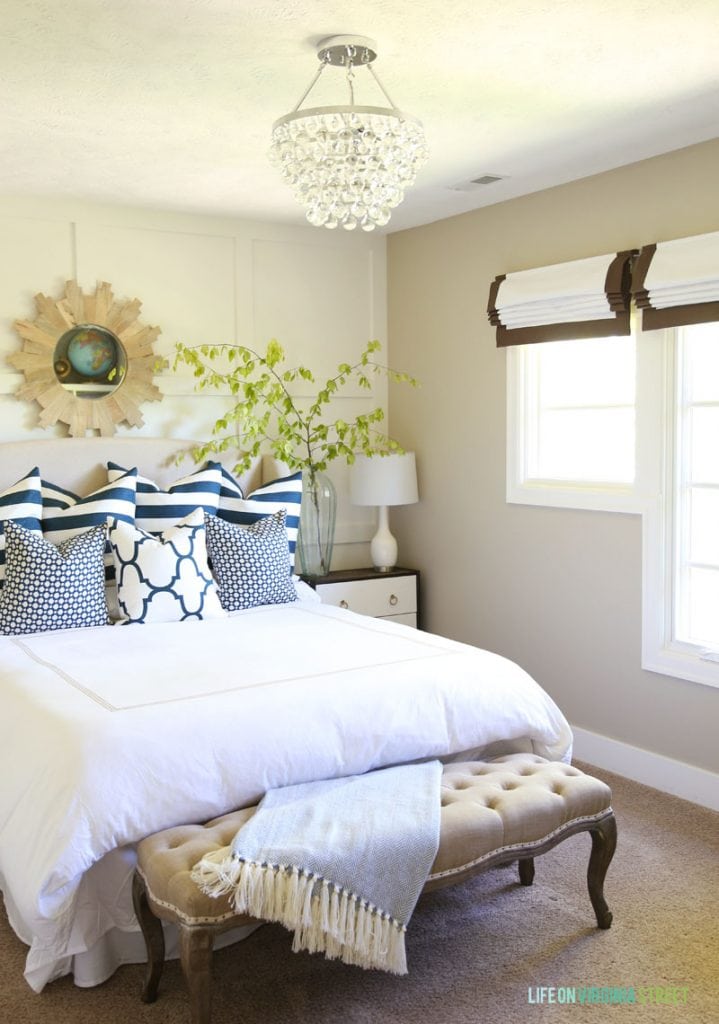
(486, 179)
(474, 183)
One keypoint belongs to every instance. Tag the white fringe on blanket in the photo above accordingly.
(324, 917)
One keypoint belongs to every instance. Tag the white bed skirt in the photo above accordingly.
(107, 939)
(116, 948)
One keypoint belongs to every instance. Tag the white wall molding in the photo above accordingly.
(175, 384)
(664, 773)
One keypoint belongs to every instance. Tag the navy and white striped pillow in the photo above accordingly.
(22, 503)
(65, 515)
(283, 494)
(56, 497)
(157, 510)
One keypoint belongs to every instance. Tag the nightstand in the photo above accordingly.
(392, 595)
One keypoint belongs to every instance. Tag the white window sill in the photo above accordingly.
(592, 497)
(683, 663)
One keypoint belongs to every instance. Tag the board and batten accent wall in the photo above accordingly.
(557, 590)
(202, 279)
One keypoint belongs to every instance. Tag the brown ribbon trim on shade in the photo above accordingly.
(617, 287)
(673, 316)
(564, 332)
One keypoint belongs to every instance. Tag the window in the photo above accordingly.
(583, 396)
(696, 490)
(631, 424)
(572, 423)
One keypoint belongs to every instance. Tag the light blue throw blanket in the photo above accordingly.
(340, 862)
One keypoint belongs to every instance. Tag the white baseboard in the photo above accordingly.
(675, 777)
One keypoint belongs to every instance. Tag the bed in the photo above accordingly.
(110, 733)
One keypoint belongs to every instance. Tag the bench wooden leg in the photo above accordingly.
(604, 843)
(154, 939)
(526, 870)
(196, 959)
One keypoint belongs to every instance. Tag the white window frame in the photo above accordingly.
(651, 495)
(661, 651)
(602, 497)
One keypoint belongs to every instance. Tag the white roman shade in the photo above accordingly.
(677, 282)
(587, 298)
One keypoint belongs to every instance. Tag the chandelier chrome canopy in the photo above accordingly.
(349, 164)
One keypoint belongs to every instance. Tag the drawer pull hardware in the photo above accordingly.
(393, 599)
(343, 604)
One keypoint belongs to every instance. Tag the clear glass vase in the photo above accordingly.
(317, 524)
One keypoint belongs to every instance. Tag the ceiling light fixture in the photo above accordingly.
(348, 164)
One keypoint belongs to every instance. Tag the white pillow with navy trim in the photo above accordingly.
(23, 504)
(251, 564)
(64, 514)
(283, 494)
(156, 510)
(164, 578)
(50, 586)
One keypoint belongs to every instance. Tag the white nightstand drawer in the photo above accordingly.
(396, 595)
(408, 619)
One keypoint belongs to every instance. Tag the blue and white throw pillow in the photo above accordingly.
(64, 514)
(55, 497)
(156, 510)
(283, 494)
(251, 564)
(164, 578)
(23, 504)
(52, 587)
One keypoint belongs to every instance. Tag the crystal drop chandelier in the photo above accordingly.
(348, 164)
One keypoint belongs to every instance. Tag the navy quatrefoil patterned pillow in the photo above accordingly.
(52, 587)
(251, 564)
(164, 578)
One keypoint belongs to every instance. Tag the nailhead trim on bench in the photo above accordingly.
(576, 824)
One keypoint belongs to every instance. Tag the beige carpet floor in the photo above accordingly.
(474, 951)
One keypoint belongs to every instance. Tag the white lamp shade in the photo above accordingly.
(384, 480)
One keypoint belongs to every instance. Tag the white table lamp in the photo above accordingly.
(384, 480)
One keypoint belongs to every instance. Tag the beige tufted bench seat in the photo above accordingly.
(493, 812)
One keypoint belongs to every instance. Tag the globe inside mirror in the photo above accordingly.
(89, 361)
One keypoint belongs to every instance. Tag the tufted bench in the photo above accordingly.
(493, 812)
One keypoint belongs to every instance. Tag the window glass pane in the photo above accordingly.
(704, 606)
(598, 371)
(704, 526)
(586, 445)
(704, 434)
(701, 343)
(697, 506)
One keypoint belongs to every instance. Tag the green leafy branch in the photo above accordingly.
(267, 416)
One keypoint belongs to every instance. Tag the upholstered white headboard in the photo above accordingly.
(79, 463)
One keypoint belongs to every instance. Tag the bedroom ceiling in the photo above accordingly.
(169, 103)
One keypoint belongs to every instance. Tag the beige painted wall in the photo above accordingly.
(557, 591)
(201, 279)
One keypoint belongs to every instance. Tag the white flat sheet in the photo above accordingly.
(112, 733)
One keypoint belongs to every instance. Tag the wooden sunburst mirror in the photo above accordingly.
(87, 360)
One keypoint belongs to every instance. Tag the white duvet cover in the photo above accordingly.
(112, 733)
